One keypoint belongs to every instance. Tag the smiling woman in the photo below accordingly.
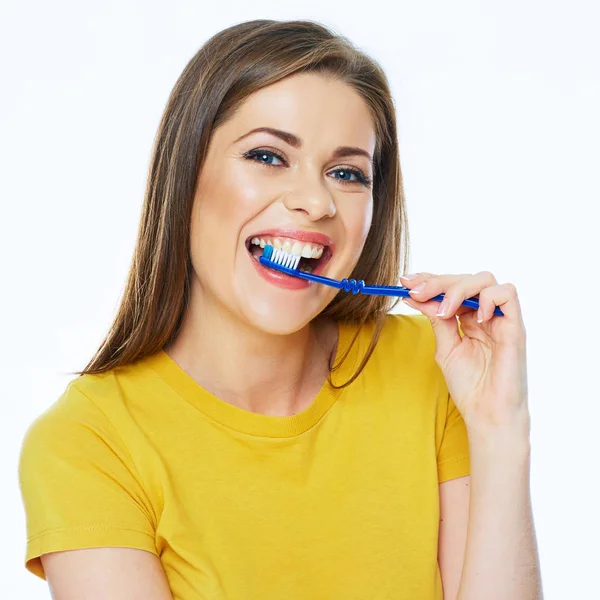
(241, 433)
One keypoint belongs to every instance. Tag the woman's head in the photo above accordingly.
(256, 187)
(212, 188)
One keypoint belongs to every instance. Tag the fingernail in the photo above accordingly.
(409, 276)
(442, 310)
(418, 289)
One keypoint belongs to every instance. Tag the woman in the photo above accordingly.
(243, 434)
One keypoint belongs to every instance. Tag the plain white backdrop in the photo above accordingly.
(499, 128)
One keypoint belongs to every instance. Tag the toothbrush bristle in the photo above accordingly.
(280, 257)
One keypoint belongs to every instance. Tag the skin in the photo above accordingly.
(235, 313)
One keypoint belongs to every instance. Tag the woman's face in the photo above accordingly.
(257, 187)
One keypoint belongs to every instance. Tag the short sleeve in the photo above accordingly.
(79, 485)
(453, 459)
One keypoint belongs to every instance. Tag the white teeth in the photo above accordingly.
(290, 246)
(307, 251)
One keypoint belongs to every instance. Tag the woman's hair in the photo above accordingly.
(229, 67)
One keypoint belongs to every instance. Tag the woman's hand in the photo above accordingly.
(485, 370)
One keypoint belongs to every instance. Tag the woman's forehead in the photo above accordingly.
(314, 110)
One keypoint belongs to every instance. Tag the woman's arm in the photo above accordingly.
(484, 363)
(454, 520)
(501, 558)
(105, 574)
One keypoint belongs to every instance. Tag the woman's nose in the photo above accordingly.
(313, 198)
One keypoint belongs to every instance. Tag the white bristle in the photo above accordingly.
(285, 259)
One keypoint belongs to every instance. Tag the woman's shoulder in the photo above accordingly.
(403, 339)
(68, 418)
(397, 330)
(88, 406)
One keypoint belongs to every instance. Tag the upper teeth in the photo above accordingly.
(292, 246)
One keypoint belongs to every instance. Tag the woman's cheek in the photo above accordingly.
(360, 226)
(246, 191)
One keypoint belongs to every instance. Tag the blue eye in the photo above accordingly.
(348, 172)
(258, 154)
(262, 154)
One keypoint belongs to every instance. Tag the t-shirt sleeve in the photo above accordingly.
(453, 449)
(79, 485)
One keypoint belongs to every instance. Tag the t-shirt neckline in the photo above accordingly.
(258, 424)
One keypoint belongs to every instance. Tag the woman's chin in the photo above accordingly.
(279, 310)
(278, 318)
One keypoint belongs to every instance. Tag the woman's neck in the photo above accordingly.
(276, 375)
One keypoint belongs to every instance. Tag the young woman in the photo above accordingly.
(244, 434)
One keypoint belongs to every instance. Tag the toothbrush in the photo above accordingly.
(288, 263)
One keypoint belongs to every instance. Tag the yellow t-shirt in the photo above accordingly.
(339, 501)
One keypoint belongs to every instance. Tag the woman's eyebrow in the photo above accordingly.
(296, 142)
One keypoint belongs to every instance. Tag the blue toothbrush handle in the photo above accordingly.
(359, 287)
(393, 290)
(302, 274)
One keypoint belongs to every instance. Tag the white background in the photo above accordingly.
(498, 111)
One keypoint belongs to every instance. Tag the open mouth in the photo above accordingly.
(313, 256)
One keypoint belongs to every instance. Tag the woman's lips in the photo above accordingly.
(284, 280)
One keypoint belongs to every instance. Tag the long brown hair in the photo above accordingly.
(229, 67)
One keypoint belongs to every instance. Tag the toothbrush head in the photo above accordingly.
(288, 263)
(280, 257)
